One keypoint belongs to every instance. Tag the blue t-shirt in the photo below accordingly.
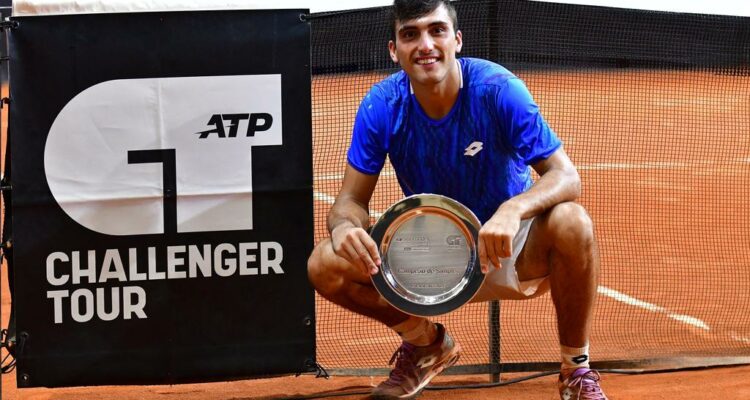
(478, 154)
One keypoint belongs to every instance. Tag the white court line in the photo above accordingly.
(338, 177)
(651, 165)
(629, 300)
(740, 338)
(590, 167)
(330, 200)
(324, 197)
(660, 165)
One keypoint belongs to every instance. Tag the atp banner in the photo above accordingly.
(162, 196)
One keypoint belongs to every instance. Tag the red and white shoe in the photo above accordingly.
(416, 366)
(581, 384)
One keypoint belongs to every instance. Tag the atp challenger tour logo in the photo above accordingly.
(154, 156)
(130, 157)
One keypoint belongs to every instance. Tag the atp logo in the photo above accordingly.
(217, 121)
(133, 157)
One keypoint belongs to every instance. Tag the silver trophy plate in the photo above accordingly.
(427, 245)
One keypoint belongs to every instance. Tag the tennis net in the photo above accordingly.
(653, 108)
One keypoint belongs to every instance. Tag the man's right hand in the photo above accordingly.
(356, 246)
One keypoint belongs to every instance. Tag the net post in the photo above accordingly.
(493, 319)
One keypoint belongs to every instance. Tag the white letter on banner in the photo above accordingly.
(266, 262)
(112, 259)
(79, 272)
(57, 296)
(247, 258)
(173, 261)
(56, 256)
(220, 260)
(153, 274)
(133, 265)
(199, 261)
(88, 305)
(103, 315)
(129, 307)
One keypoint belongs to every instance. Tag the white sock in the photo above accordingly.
(574, 358)
(414, 330)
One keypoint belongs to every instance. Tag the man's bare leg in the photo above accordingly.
(348, 286)
(561, 244)
(426, 349)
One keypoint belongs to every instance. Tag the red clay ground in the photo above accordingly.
(665, 163)
(660, 169)
(713, 384)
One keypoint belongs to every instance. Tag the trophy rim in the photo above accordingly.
(388, 224)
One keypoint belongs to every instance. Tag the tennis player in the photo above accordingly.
(468, 129)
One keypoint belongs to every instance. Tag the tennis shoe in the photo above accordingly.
(582, 384)
(416, 366)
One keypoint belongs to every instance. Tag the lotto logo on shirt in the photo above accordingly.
(473, 149)
(149, 156)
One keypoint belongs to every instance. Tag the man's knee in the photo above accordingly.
(321, 270)
(316, 267)
(571, 227)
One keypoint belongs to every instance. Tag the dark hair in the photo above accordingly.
(404, 10)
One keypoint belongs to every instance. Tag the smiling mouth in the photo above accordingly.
(427, 61)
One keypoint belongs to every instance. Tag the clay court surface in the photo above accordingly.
(666, 185)
(714, 384)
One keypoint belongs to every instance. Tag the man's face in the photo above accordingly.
(426, 47)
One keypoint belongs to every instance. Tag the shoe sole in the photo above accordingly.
(418, 390)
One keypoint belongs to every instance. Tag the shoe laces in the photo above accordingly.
(404, 358)
(588, 386)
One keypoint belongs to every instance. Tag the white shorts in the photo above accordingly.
(503, 283)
